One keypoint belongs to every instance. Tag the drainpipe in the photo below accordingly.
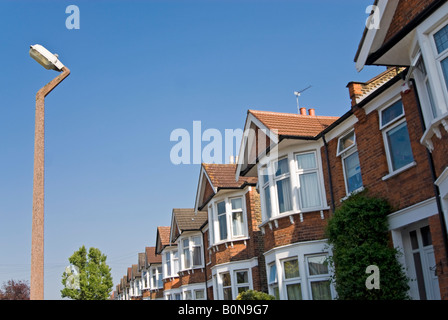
(205, 263)
(433, 173)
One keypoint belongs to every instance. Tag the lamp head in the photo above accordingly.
(45, 58)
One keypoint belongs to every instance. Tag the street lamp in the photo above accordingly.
(49, 61)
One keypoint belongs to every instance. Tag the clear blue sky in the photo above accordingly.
(141, 69)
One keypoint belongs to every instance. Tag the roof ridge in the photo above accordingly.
(292, 114)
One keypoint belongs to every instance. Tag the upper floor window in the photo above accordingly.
(192, 252)
(156, 278)
(230, 220)
(171, 263)
(396, 137)
(350, 161)
(290, 184)
(441, 41)
(283, 185)
(309, 188)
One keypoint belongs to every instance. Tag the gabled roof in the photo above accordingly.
(291, 124)
(186, 220)
(264, 130)
(214, 177)
(381, 46)
(141, 260)
(162, 239)
(151, 256)
(135, 272)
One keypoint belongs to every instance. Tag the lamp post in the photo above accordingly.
(50, 62)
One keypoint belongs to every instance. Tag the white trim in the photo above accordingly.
(411, 214)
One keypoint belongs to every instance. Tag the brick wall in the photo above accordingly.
(311, 228)
(402, 189)
(406, 11)
(440, 256)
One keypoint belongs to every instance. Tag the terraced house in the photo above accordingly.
(260, 223)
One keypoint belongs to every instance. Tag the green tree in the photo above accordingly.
(91, 279)
(358, 234)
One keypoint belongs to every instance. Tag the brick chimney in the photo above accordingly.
(355, 91)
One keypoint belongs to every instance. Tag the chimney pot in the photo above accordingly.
(312, 112)
(303, 111)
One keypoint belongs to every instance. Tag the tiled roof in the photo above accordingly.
(186, 219)
(291, 124)
(151, 256)
(135, 272)
(223, 176)
(164, 234)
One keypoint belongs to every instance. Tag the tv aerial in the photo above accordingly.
(298, 93)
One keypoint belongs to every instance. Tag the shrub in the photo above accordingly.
(358, 234)
(254, 295)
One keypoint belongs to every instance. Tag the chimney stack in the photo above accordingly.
(303, 111)
(312, 112)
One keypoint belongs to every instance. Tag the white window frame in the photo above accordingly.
(300, 172)
(189, 249)
(273, 284)
(319, 277)
(174, 264)
(340, 152)
(344, 154)
(241, 285)
(266, 187)
(391, 122)
(291, 281)
(438, 57)
(280, 178)
(229, 219)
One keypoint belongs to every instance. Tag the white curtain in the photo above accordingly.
(309, 190)
(237, 222)
(306, 161)
(284, 195)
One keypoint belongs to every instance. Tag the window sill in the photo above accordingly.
(289, 214)
(231, 241)
(352, 193)
(396, 172)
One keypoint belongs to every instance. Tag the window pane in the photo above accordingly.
(197, 241)
(391, 113)
(264, 176)
(237, 223)
(431, 99)
(226, 281)
(281, 167)
(400, 146)
(294, 291)
(353, 172)
(187, 295)
(306, 161)
(317, 265)
(272, 273)
(242, 289)
(222, 221)
(199, 294)
(321, 290)
(426, 236)
(197, 259)
(276, 293)
(237, 203)
(444, 64)
(186, 258)
(168, 263)
(227, 293)
(309, 190)
(284, 195)
(291, 269)
(242, 277)
(267, 202)
(441, 38)
(347, 141)
(221, 207)
(185, 243)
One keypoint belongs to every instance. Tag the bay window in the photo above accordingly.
(230, 220)
(192, 252)
(222, 220)
(292, 281)
(266, 192)
(283, 185)
(318, 277)
(441, 42)
(309, 188)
